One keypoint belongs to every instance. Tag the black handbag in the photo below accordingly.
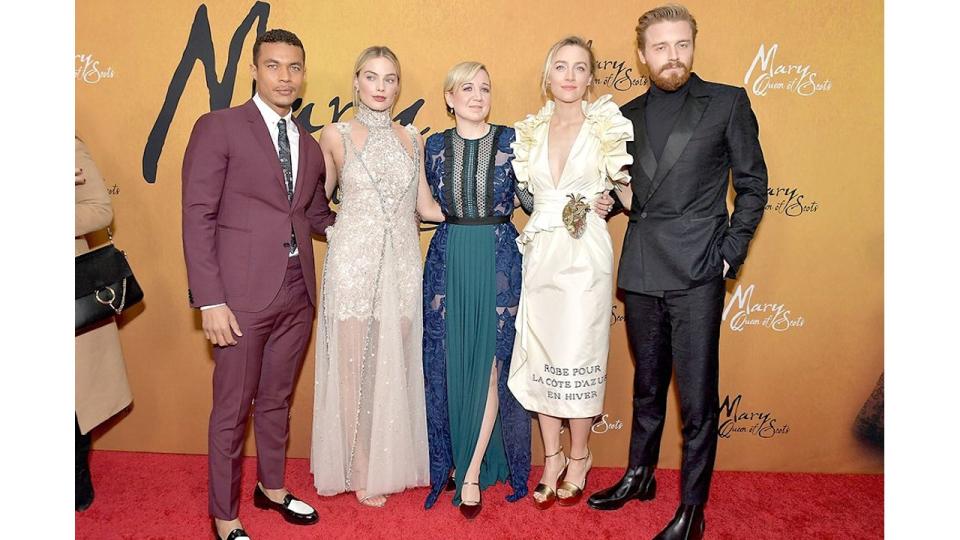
(105, 285)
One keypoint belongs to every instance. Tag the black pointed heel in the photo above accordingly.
(471, 510)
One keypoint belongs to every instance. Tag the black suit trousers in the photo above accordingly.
(678, 333)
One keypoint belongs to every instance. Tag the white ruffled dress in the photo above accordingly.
(559, 364)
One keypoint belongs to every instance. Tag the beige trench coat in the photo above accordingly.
(101, 376)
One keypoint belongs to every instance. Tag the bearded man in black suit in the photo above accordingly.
(680, 245)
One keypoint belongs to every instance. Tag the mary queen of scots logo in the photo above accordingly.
(743, 312)
(89, 70)
(753, 423)
(766, 75)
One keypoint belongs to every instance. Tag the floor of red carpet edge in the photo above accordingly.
(147, 496)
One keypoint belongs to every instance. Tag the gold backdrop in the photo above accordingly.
(802, 343)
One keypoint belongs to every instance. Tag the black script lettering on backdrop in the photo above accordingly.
(616, 317)
(616, 75)
(200, 47)
(791, 202)
(760, 424)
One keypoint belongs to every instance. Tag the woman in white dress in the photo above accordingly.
(369, 417)
(567, 155)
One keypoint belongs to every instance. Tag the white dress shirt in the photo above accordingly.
(272, 119)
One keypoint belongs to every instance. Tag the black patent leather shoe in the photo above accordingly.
(236, 534)
(261, 501)
(687, 524)
(451, 484)
(637, 483)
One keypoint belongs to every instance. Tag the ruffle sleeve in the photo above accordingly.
(613, 130)
(526, 138)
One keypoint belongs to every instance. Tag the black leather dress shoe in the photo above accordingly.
(260, 500)
(236, 534)
(687, 524)
(637, 483)
(451, 484)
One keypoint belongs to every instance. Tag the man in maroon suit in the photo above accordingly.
(253, 191)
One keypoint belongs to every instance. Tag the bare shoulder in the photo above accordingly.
(408, 132)
(330, 135)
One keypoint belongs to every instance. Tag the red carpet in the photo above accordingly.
(165, 496)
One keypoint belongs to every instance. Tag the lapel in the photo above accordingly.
(262, 136)
(644, 157)
(690, 114)
(301, 163)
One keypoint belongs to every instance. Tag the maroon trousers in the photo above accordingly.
(259, 370)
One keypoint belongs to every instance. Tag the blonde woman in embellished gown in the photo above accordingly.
(567, 155)
(369, 420)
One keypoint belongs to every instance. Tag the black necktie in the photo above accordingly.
(284, 143)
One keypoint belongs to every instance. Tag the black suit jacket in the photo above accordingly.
(679, 232)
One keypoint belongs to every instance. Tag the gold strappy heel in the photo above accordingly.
(548, 493)
(575, 490)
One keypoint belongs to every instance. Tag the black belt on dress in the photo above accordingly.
(489, 220)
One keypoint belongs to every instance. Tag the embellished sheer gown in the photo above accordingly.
(559, 363)
(471, 288)
(369, 421)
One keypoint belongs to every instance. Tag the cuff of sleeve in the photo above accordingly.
(734, 262)
(204, 308)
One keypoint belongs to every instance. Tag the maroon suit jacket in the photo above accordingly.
(236, 218)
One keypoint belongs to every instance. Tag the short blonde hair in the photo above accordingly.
(376, 51)
(459, 74)
(569, 40)
(669, 12)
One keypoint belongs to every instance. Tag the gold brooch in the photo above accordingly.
(575, 215)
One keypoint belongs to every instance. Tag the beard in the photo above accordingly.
(672, 81)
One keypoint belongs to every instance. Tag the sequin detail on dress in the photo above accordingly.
(369, 427)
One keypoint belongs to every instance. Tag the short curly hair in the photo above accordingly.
(277, 35)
